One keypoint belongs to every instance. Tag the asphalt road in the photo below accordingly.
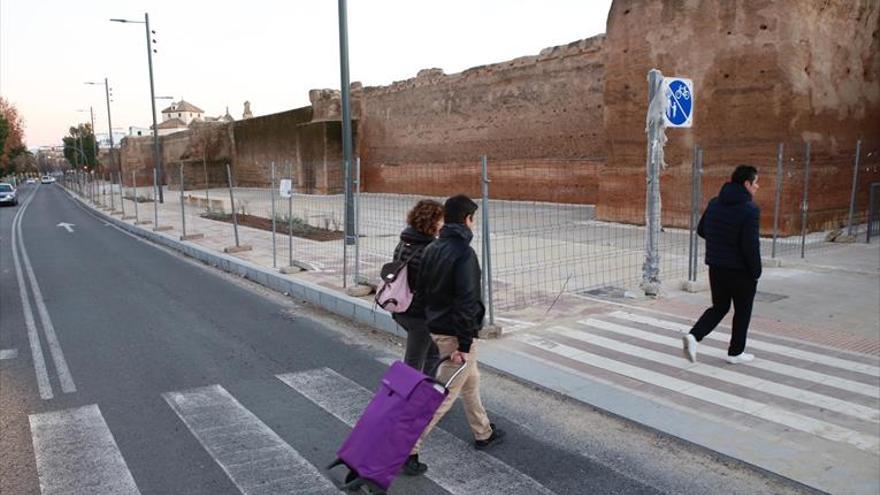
(168, 377)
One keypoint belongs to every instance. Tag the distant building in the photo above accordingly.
(139, 131)
(104, 138)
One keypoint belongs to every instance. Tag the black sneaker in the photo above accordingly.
(412, 466)
(494, 439)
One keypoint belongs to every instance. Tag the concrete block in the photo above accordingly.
(695, 287)
(359, 290)
(491, 332)
(162, 228)
(128, 217)
(771, 262)
(192, 237)
(143, 222)
(238, 249)
(289, 270)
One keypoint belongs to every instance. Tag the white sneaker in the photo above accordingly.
(689, 347)
(741, 358)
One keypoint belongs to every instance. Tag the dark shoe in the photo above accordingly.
(412, 466)
(494, 439)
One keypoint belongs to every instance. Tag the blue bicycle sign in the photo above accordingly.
(680, 96)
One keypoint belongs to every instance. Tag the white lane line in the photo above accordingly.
(757, 344)
(454, 464)
(758, 409)
(807, 397)
(760, 363)
(254, 457)
(76, 454)
(43, 384)
(8, 354)
(55, 351)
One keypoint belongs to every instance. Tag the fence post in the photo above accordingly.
(135, 187)
(207, 183)
(780, 151)
(692, 231)
(487, 246)
(121, 193)
(104, 190)
(872, 210)
(232, 203)
(290, 216)
(805, 205)
(357, 221)
(112, 192)
(852, 196)
(274, 249)
(182, 207)
(155, 198)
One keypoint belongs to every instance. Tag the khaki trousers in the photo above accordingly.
(467, 384)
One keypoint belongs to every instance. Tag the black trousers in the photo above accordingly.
(421, 351)
(729, 285)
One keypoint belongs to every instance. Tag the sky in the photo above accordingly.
(269, 52)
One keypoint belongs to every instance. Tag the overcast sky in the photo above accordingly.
(270, 52)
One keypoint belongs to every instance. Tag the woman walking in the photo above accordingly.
(424, 223)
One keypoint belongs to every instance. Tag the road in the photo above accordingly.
(130, 369)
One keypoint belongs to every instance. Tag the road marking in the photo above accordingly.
(758, 409)
(454, 464)
(254, 457)
(765, 364)
(43, 384)
(76, 454)
(757, 344)
(55, 351)
(807, 397)
(8, 354)
(68, 226)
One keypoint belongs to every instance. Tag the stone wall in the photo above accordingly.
(764, 72)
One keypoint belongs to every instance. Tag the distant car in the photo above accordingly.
(31, 180)
(47, 179)
(7, 194)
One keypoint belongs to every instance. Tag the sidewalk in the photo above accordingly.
(807, 409)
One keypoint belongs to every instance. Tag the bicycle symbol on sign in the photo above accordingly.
(682, 93)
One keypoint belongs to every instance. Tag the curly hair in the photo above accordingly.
(424, 216)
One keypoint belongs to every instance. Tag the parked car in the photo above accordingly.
(47, 179)
(7, 194)
(31, 180)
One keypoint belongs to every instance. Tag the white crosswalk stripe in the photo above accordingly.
(736, 378)
(768, 412)
(76, 454)
(764, 364)
(758, 344)
(254, 457)
(455, 465)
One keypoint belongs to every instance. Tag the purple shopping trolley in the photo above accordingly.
(388, 429)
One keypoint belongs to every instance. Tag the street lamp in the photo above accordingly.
(109, 119)
(150, 50)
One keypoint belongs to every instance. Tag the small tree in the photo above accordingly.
(11, 135)
(80, 146)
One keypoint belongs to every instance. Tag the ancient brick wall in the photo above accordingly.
(764, 72)
(535, 118)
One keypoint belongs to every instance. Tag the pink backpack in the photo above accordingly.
(393, 293)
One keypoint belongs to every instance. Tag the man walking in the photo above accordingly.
(449, 281)
(730, 226)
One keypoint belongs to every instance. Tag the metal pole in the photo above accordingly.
(158, 159)
(487, 246)
(134, 186)
(290, 216)
(182, 206)
(121, 192)
(346, 135)
(207, 184)
(232, 202)
(104, 190)
(112, 192)
(357, 221)
(699, 185)
(805, 205)
(780, 150)
(274, 248)
(651, 270)
(109, 121)
(852, 196)
(155, 198)
(94, 139)
(692, 222)
(872, 211)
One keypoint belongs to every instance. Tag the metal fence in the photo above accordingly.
(537, 249)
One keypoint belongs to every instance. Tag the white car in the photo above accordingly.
(31, 180)
(46, 179)
(7, 194)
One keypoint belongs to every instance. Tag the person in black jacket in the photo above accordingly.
(424, 223)
(730, 226)
(449, 281)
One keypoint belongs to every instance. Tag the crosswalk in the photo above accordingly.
(76, 452)
(792, 387)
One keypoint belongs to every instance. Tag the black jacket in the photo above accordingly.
(412, 245)
(730, 226)
(450, 284)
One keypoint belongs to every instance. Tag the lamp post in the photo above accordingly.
(109, 119)
(150, 51)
